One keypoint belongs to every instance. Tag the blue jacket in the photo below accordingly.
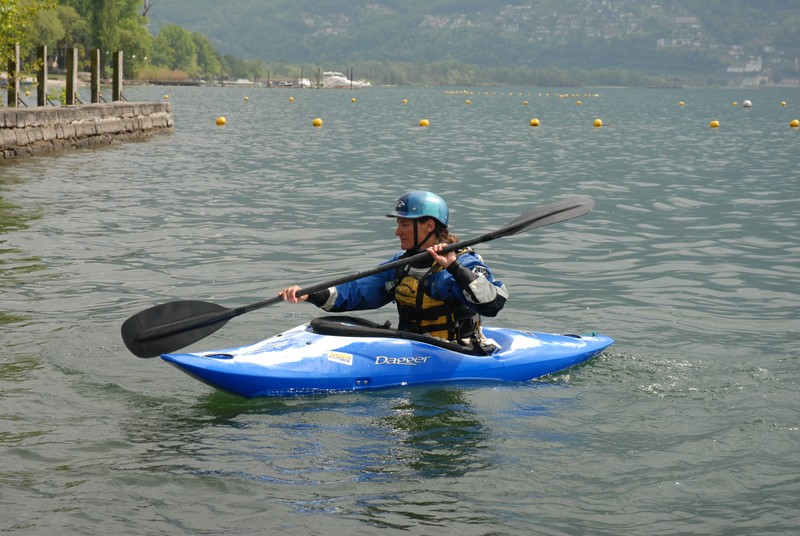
(468, 280)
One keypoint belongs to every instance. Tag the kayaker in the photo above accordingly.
(457, 288)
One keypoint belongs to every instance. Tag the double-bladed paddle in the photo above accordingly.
(170, 326)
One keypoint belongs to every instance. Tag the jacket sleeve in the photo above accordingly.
(365, 293)
(469, 280)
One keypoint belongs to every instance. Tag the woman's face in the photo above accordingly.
(405, 231)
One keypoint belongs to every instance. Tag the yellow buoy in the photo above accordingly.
(353, 99)
(467, 101)
(714, 124)
(783, 103)
(317, 122)
(423, 122)
(578, 103)
(598, 122)
(794, 123)
(221, 121)
(246, 98)
(405, 101)
(734, 103)
(534, 122)
(291, 99)
(681, 103)
(166, 97)
(27, 93)
(524, 103)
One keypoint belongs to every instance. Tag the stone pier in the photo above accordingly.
(31, 131)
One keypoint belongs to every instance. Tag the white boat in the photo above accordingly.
(334, 80)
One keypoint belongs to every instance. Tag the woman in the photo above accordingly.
(442, 296)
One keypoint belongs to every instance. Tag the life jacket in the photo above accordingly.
(419, 312)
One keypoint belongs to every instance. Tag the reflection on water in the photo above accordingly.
(14, 378)
(438, 433)
(15, 265)
(425, 433)
(286, 449)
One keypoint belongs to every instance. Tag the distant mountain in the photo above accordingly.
(669, 38)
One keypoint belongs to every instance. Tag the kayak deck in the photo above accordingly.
(303, 362)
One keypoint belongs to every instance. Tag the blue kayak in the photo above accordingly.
(338, 354)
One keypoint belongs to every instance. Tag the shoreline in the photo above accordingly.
(32, 131)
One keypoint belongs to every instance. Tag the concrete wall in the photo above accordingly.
(26, 132)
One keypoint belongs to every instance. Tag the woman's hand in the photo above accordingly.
(290, 294)
(444, 260)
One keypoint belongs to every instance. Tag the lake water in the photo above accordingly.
(689, 424)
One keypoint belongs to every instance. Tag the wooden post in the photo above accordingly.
(95, 59)
(72, 76)
(13, 77)
(116, 85)
(41, 76)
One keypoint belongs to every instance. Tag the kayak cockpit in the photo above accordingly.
(353, 326)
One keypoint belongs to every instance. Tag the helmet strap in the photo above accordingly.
(417, 241)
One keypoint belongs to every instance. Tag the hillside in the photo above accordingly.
(680, 38)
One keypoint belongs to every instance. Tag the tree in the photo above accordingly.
(135, 41)
(235, 67)
(256, 70)
(76, 29)
(174, 48)
(104, 18)
(47, 29)
(103, 15)
(16, 19)
(147, 6)
(207, 58)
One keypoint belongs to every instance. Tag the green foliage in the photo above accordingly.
(48, 30)
(174, 48)
(207, 58)
(111, 25)
(57, 94)
(104, 18)
(16, 19)
(135, 41)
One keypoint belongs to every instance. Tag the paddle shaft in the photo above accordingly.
(173, 325)
(512, 228)
(172, 328)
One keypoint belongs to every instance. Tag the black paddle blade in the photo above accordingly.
(170, 326)
(553, 213)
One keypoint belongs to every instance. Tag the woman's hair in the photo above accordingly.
(443, 233)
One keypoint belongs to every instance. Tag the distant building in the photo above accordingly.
(753, 65)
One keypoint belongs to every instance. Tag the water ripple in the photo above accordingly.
(689, 261)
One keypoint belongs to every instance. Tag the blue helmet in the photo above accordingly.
(420, 204)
